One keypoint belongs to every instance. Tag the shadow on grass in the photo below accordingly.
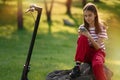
(76, 19)
(115, 9)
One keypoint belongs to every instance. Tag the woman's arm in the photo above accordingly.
(94, 43)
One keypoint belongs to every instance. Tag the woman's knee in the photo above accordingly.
(97, 61)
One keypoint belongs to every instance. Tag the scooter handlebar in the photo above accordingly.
(33, 7)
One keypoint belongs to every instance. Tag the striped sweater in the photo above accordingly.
(95, 36)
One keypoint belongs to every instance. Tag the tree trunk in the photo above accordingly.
(20, 15)
(49, 16)
(48, 12)
(68, 5)
(84, 2)
(96, 0)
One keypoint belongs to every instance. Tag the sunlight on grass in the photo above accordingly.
(114, 66)
(63, 66)
(113, 62)
(6, 31)
(64, 29)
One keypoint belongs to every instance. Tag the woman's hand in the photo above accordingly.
(79, 32)
(94, 43)
(86, 33)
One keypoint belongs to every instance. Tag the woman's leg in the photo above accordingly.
(97, 65)
(81, 51)
(82, 48)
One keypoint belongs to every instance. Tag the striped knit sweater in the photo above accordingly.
(95, 36)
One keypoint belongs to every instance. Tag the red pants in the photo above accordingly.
(85, 53)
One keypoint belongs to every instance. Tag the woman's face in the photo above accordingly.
(89, 16)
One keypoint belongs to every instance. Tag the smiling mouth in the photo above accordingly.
(88, 21)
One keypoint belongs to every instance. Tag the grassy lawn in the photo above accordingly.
(55, 45)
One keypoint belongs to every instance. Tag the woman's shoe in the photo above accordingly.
(75, 72)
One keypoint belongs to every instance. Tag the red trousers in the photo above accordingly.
(86, 53)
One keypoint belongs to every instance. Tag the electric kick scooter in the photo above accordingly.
(26, 68)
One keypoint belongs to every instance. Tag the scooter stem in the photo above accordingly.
(27, 66)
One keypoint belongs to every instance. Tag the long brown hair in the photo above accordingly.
(91, 7)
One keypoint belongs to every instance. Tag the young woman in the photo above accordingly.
(90, 45)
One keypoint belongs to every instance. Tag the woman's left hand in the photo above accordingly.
(86, 33)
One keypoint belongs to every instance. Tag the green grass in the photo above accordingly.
(54, 50)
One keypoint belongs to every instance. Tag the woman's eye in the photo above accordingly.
(85, 15)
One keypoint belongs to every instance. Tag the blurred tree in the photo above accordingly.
(3, 1)
(68, 5)
(48, 12)
(96, 0)
(20, 15)
(84, 2)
